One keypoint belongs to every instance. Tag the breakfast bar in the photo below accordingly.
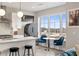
(5, 44)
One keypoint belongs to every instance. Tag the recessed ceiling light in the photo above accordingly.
(40, 4)
(33, 7)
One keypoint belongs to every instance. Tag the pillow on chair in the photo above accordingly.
(70, 52)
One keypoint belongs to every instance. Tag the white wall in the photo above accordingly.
(72, 32)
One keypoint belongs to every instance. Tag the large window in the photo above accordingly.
(44, 24)
(53, 24)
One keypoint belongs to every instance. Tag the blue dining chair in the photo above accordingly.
(59, 42)
(42, 39)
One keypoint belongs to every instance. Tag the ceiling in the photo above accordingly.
(33, 6)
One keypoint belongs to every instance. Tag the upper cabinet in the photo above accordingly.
(27, 18)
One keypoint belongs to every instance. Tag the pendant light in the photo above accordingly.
(2, 11)
(20, 13)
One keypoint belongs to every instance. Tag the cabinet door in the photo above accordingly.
(26, 18)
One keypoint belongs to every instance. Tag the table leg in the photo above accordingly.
(0, 53)
(48, 44)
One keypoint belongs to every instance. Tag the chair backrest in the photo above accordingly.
(42, 37)
(61, 39)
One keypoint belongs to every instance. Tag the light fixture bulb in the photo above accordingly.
(20, 14)
(2, 12)
(71, 21)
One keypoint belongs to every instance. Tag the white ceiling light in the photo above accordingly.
(20, 13)
(33, 7)
(2, 11)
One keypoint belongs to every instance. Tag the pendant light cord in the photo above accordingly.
(20, 5)
(1, 3)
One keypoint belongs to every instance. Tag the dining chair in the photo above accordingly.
(59, 42)
(41, 39)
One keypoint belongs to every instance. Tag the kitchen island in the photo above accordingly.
(5, 44)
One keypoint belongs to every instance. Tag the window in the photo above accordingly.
(53, 24)
(44, 24)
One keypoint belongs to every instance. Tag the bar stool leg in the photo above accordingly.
(32, 52)
(28, 52)
(12, 54)
(15, 53)
(18, 53)
(24, 51)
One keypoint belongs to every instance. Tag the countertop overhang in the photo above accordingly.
(17, 39)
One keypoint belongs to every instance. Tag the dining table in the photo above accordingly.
(48, 41)
(52, 38)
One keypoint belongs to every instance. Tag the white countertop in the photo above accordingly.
(17, 39)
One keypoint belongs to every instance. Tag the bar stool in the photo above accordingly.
(28, 47)
(14, 51)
